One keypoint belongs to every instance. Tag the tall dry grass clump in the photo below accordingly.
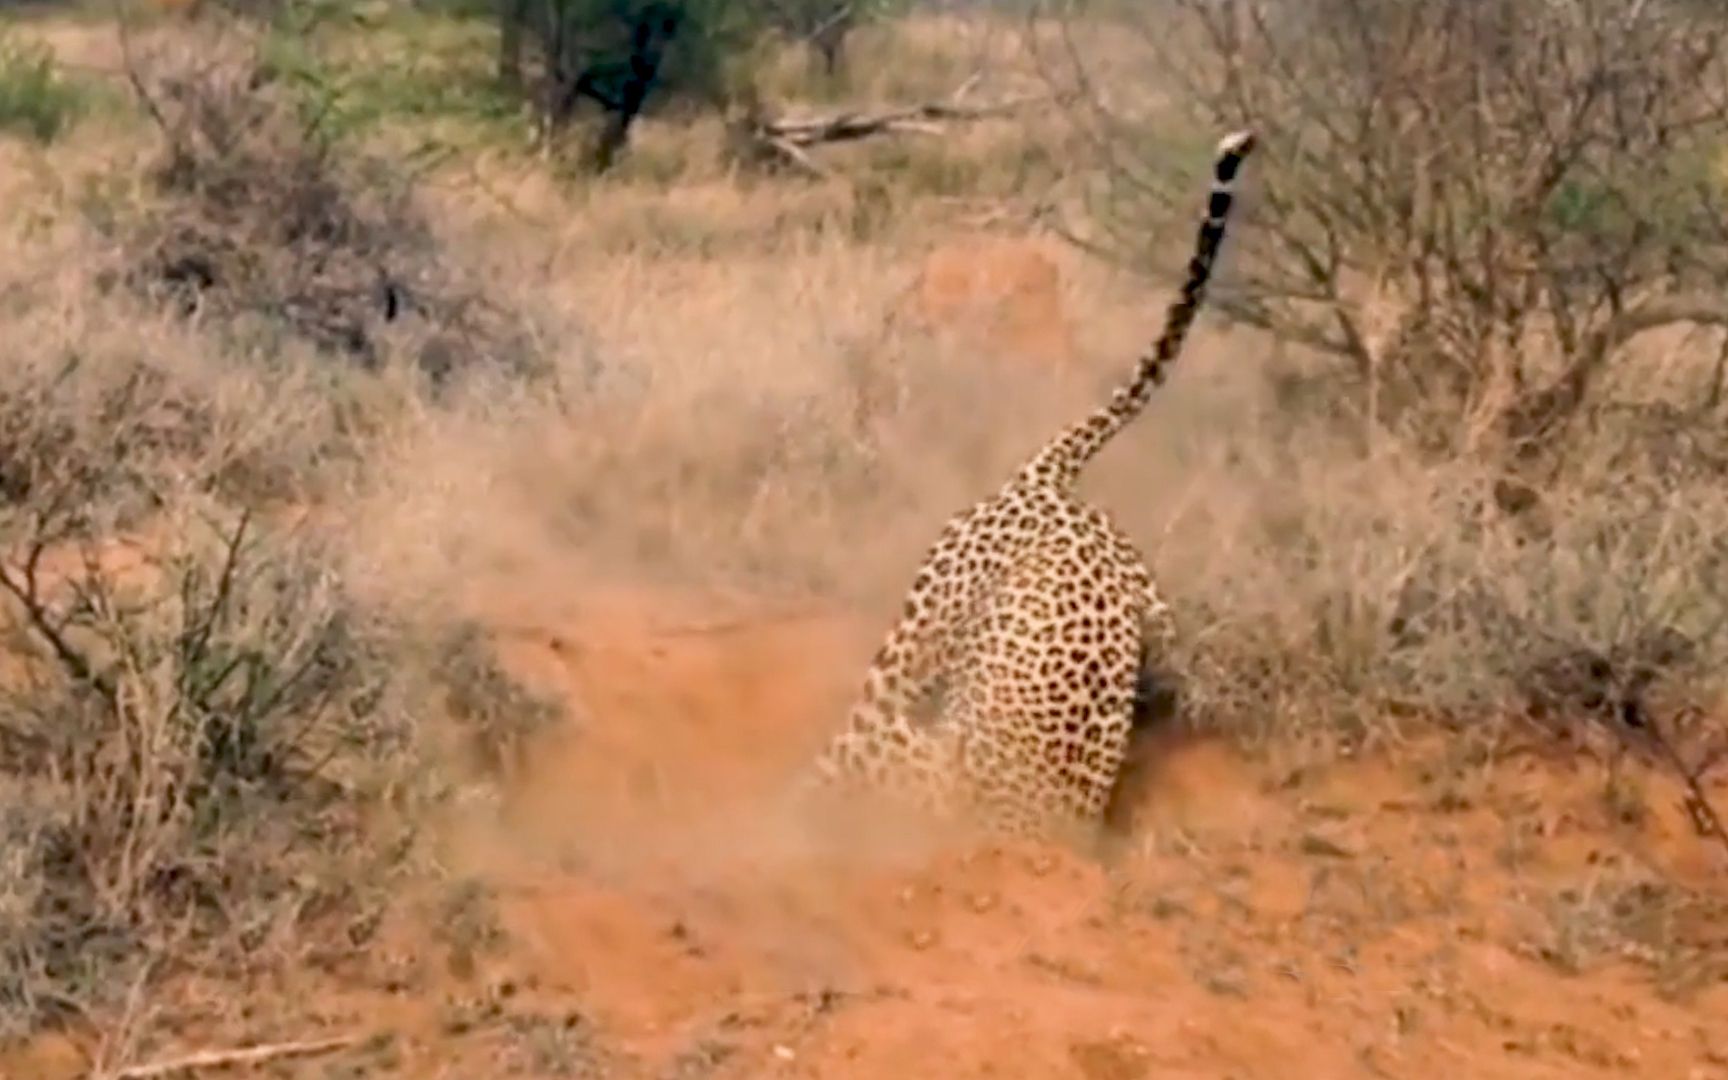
(1328, 594)
(258, 216)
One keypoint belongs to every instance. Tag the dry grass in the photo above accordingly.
(213, 741)
(703, 336)
(196, 716)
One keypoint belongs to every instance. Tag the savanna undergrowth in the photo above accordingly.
(239, 581)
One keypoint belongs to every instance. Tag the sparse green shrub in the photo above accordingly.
(214, 750)
(203, 757)
(201, 739)
(36, 100)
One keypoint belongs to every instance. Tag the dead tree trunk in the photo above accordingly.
(649, 38)
(620, 87)
(829, 38)
(512, 19)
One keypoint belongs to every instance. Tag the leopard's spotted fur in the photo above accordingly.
(1007, 688)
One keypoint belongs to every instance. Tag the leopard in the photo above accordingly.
(1007, 690)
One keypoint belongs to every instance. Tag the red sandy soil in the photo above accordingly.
(1353, 919)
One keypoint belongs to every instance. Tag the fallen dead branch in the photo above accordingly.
(245, 1055)
(785, 140)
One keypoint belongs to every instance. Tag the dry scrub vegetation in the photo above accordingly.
(284, 402)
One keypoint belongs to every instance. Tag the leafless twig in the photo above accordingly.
(246, 1055)
(1693, 775)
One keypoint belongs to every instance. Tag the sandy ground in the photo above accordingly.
(1360, 919)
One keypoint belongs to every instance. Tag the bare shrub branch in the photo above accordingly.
(1474, 209)
(246, 1055)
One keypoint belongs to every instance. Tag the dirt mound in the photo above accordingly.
(1002, 294)
(1355, 920)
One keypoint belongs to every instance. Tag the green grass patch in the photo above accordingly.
(37, 100)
